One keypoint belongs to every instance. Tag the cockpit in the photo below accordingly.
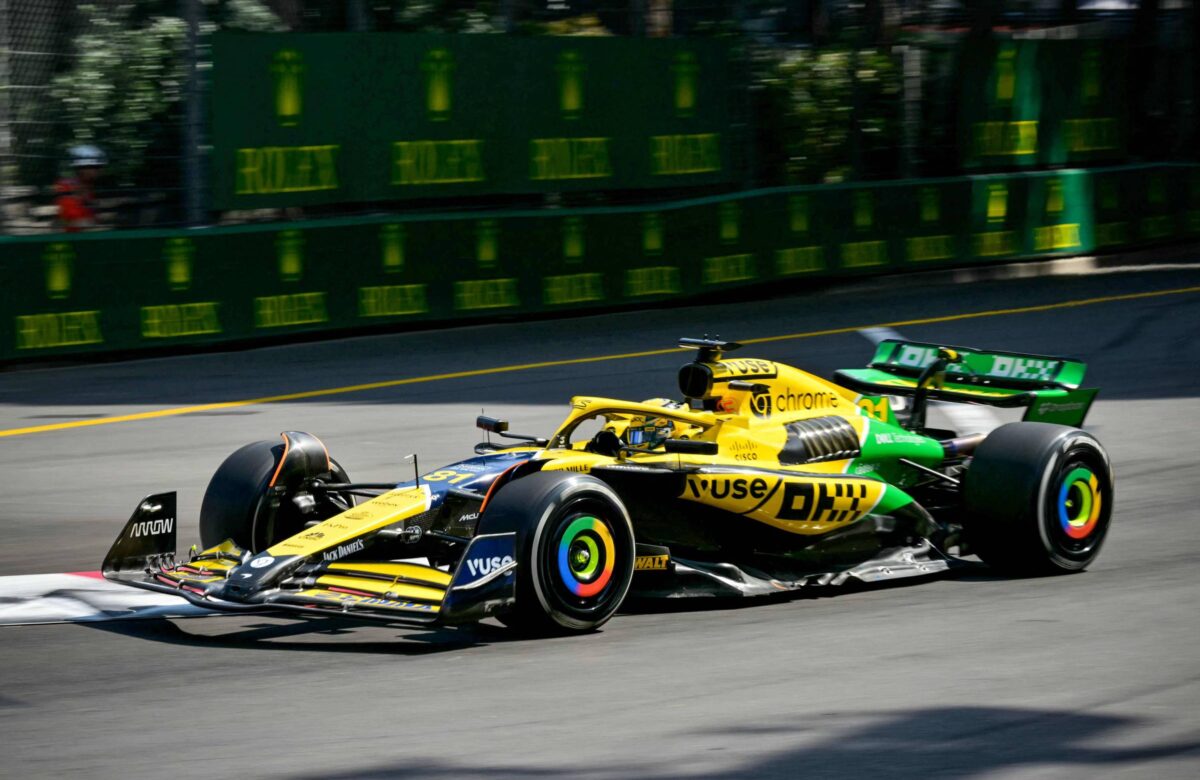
(608, 427)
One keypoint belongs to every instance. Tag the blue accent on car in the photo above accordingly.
(483, 470)
(485, 555)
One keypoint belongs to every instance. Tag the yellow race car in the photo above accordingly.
(761, 479)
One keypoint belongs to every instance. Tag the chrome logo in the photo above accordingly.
(1079, 503)
(586, 556)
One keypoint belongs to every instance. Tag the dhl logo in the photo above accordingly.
(806, 506)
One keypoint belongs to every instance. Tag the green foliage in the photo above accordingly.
(125, 82)
(450, 16)
(814, 100)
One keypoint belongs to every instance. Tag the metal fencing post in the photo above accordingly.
(910, 59)
(356, 17)
(6, 119)
(509, 12)
(192, 179)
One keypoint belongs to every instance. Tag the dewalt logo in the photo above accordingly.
(651, 563)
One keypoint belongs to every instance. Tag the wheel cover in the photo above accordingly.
(1077, 507)
(587, 556)
(1079, 503)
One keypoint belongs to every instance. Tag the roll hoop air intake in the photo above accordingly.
(696, 378)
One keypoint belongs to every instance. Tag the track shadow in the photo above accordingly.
(921, 743)
(959, 569)
(305, 635)
(348, 636)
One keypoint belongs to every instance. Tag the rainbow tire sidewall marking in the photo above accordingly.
(593, 535)
(1079, 503)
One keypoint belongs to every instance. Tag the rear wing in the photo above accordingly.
(1049, 387)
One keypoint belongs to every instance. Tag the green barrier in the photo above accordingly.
(1037, 103)
(124, 291)
(316, 118)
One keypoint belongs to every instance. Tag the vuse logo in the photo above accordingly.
(479, 567)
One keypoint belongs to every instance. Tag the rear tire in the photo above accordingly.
(575, 551)
(235, 505)
(1038, 499)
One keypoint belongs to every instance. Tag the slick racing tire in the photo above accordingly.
(1038, 499)
(237, 506)
(575, 551)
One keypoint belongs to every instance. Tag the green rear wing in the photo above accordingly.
(1048, 386)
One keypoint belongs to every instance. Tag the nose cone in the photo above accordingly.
(259, 573)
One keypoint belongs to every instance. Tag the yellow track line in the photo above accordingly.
(181, 410)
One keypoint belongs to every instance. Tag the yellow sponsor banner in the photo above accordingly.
(183, 319)
(926, 248)
(1006, 139)
(270, 170)
(652, 280)
(799, 260)
(278, 311)
(393, 300)
(437, 162)
(1052, 237)
(60, 329)
(728, 268)
(864, 254)
(572, 288)
(994, 243)
(677, 155)
(474, 294)
(1091, 135)
(554, 159)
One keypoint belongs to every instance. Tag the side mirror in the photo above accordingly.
(605, 443)
(690, 447)
(491, 424)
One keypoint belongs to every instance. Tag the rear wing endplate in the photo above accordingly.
(1049, 387)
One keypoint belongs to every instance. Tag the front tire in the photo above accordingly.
(575, 551)
(236, 502)
(1038, 499)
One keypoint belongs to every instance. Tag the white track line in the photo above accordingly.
(83, 597)
(876, 335)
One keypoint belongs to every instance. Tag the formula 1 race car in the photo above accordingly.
(763, 479)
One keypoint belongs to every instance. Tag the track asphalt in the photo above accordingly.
(1094, 674)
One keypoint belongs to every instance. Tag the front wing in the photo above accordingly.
(230, 579)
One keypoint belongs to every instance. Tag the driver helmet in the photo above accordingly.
(87, 156)
(647, 432)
